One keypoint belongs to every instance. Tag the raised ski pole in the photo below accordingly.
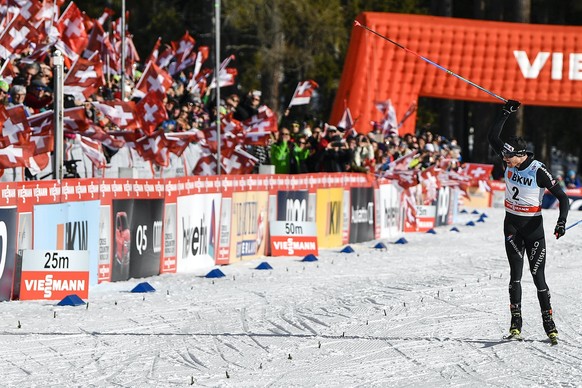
(356, 23)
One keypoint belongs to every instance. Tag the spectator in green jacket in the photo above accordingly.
(282, 152)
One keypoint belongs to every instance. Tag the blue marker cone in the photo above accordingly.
(347, 249)
(310, 257)
(143, 287)
(71, 300)
(215, 273)
(264, 265)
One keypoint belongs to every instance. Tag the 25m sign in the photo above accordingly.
(52, 275)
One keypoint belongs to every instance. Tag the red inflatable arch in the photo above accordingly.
(535, 64)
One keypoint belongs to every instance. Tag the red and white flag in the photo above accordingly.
(389, 123)
(477, 172)
(154, 148)
(303, 93)
(71, 25)
(183, 49)
(120, 113)
(226, 75)
(92, 150)
(151, 112)
(153, 79)
(259, 128)
(177, 142)
(239, 162)
(17, 37)
(14, 125)
(84, 78)
(206, 165)
(16, 155)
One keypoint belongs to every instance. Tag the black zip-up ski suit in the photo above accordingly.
(525, 234)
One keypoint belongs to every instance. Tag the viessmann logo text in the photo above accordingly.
(48, 285)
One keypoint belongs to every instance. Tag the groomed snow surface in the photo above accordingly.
(428, 313)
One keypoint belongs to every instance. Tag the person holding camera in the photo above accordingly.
(337, 157)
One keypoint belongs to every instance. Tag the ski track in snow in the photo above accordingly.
(429, 313)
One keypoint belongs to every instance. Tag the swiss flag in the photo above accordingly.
(239, 162)
(121, 113)
(154, 148)
(225, 74)
(206, 165)
(16, 155)
(264, 121)
(155, 51)
(84, 78)
(71, 25)
(153, 79)
(75, 120)
(151, 112)
(129, 138)
(177, 142)
(15, 127)
(477, 172)
(97, 133)
(17, 36)
(183, 49)
(92, 150)
(42, 134)
(389, 123)
(303, 93)
(347, 123)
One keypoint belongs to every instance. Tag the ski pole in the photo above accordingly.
(574, 224)
(356, 23)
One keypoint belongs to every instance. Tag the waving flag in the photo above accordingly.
(225, 75)
(303, 93)
(15, 127)
(151, 112)
(477, 172)
(120, 113)
(153, 79)
(71, 25)
(17, 36)
(154, 148)
(84, 78)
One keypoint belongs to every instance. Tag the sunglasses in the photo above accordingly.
(302, 142)
(285, 133)
(510, 154)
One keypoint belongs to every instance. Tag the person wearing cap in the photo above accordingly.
(526, 180)
(38, 96)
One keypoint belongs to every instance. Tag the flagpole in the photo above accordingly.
(58, 81)
(122, 50)
(217, 78)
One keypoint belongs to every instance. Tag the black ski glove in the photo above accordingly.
(511, 106)
(560, 228)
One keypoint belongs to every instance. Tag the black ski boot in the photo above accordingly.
(550, 326)
(515, 328)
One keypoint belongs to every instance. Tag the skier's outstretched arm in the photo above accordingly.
(495, 131)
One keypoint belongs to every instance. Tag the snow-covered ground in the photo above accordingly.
(429, 313)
